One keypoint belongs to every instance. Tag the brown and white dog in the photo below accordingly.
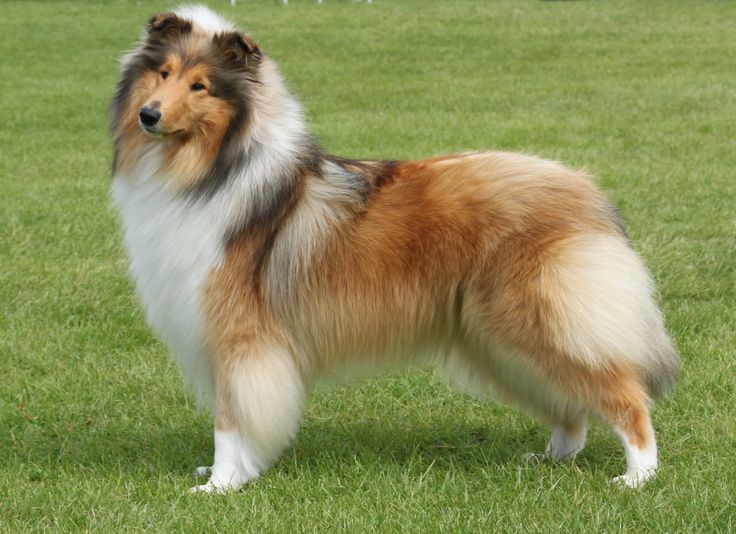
(264, 263)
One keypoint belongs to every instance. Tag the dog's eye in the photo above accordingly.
(197, 87)
(164, 74)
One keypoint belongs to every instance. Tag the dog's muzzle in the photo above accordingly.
(149, 116)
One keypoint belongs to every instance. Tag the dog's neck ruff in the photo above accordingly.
(175, 240)
(269, 156)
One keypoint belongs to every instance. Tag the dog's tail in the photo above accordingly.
(605, 312)
(663, 367)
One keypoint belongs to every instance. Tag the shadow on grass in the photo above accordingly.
(442, 442)
(177, 446)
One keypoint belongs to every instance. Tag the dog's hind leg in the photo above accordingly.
(567, 440)
(625, 407)
(259, 398)
(487, 368)
(583, 320)
(618, 396)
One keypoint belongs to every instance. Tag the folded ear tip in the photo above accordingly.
(168, 22)
(238, 47)
(157, 21)
(236, 38)
(249, 42)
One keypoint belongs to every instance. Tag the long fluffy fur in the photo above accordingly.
(264, 262)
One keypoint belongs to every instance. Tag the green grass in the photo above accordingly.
(96, 430)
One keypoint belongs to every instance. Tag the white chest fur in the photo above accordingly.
(172, 244)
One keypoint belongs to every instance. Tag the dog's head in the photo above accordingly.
(190, 80)
(191, 85)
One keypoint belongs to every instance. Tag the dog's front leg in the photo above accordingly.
(259, 399)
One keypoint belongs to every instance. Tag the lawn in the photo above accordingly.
(97, 432)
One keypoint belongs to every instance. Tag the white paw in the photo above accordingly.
(224, 478)
(203, 471)
(210, 488)
(538, 458)
(534, 458)
(560, 455)
(565, 443)
(635, 479)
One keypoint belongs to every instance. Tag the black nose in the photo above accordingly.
(149, 116)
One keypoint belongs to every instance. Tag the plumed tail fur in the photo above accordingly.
(603, 310)
(661, 375)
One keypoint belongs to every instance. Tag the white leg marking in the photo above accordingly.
(641, 463)
(565, 443)
(202, 471)
(267, 394)
(234, 464)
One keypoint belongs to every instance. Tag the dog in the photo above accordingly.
(264, 262)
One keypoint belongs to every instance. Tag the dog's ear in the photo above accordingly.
(167, 26)
(239, 49)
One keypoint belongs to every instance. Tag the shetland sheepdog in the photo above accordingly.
(264, 262)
